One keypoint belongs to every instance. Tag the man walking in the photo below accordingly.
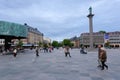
(67, 52)
(37, 52)
(103, 58)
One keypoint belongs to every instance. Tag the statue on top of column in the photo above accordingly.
(90, 10)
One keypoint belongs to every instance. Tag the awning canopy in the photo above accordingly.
(12, 30)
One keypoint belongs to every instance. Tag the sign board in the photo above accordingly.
(106, 36)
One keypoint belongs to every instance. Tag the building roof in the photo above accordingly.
(34, 30)
(74, 38)
(9, 29)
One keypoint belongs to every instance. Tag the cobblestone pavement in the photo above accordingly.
(55, 66)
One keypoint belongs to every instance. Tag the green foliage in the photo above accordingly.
(72, 44)
(40, 44)
(55, 43)
(81, 45)
(20, 43)
(49, 44)
(102, 31)
(60, 44)
(107, 44)
(67, 42)
(45, 45)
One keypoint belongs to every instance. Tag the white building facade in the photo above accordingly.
(99, 39)
(114, 39)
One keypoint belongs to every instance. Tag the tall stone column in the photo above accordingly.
(90, 16)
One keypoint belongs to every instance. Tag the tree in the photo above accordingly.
(81, 45)
(60, 44)
(40, 44)
(72, 44)
(20, 44)
(49, 44)
(67, 42)
(102, 31)
(55, 43)
(45, 45)
(107, 44)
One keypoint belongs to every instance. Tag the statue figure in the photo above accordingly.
(90, 10)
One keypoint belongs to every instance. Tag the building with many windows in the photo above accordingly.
(99, 39)
(46, 40)
(114, 39)
(9, 31)
(76, 41)
(34, 36)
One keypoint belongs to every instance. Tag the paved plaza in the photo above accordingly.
(55, 66)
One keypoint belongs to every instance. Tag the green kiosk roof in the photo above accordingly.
(12, 30)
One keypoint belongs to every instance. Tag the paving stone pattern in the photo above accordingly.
(55, 66)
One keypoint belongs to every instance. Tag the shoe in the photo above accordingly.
(107, 67)
(99, 66)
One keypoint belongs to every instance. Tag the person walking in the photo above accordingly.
(82, 51)
(67, 52)
(103, 58)
(99, 62)
(15, 52)
(37, 52)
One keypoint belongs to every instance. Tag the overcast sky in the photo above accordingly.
(60, 19)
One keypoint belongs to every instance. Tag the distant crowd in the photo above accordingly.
(102, 54)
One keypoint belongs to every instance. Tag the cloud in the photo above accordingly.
(59, 19)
